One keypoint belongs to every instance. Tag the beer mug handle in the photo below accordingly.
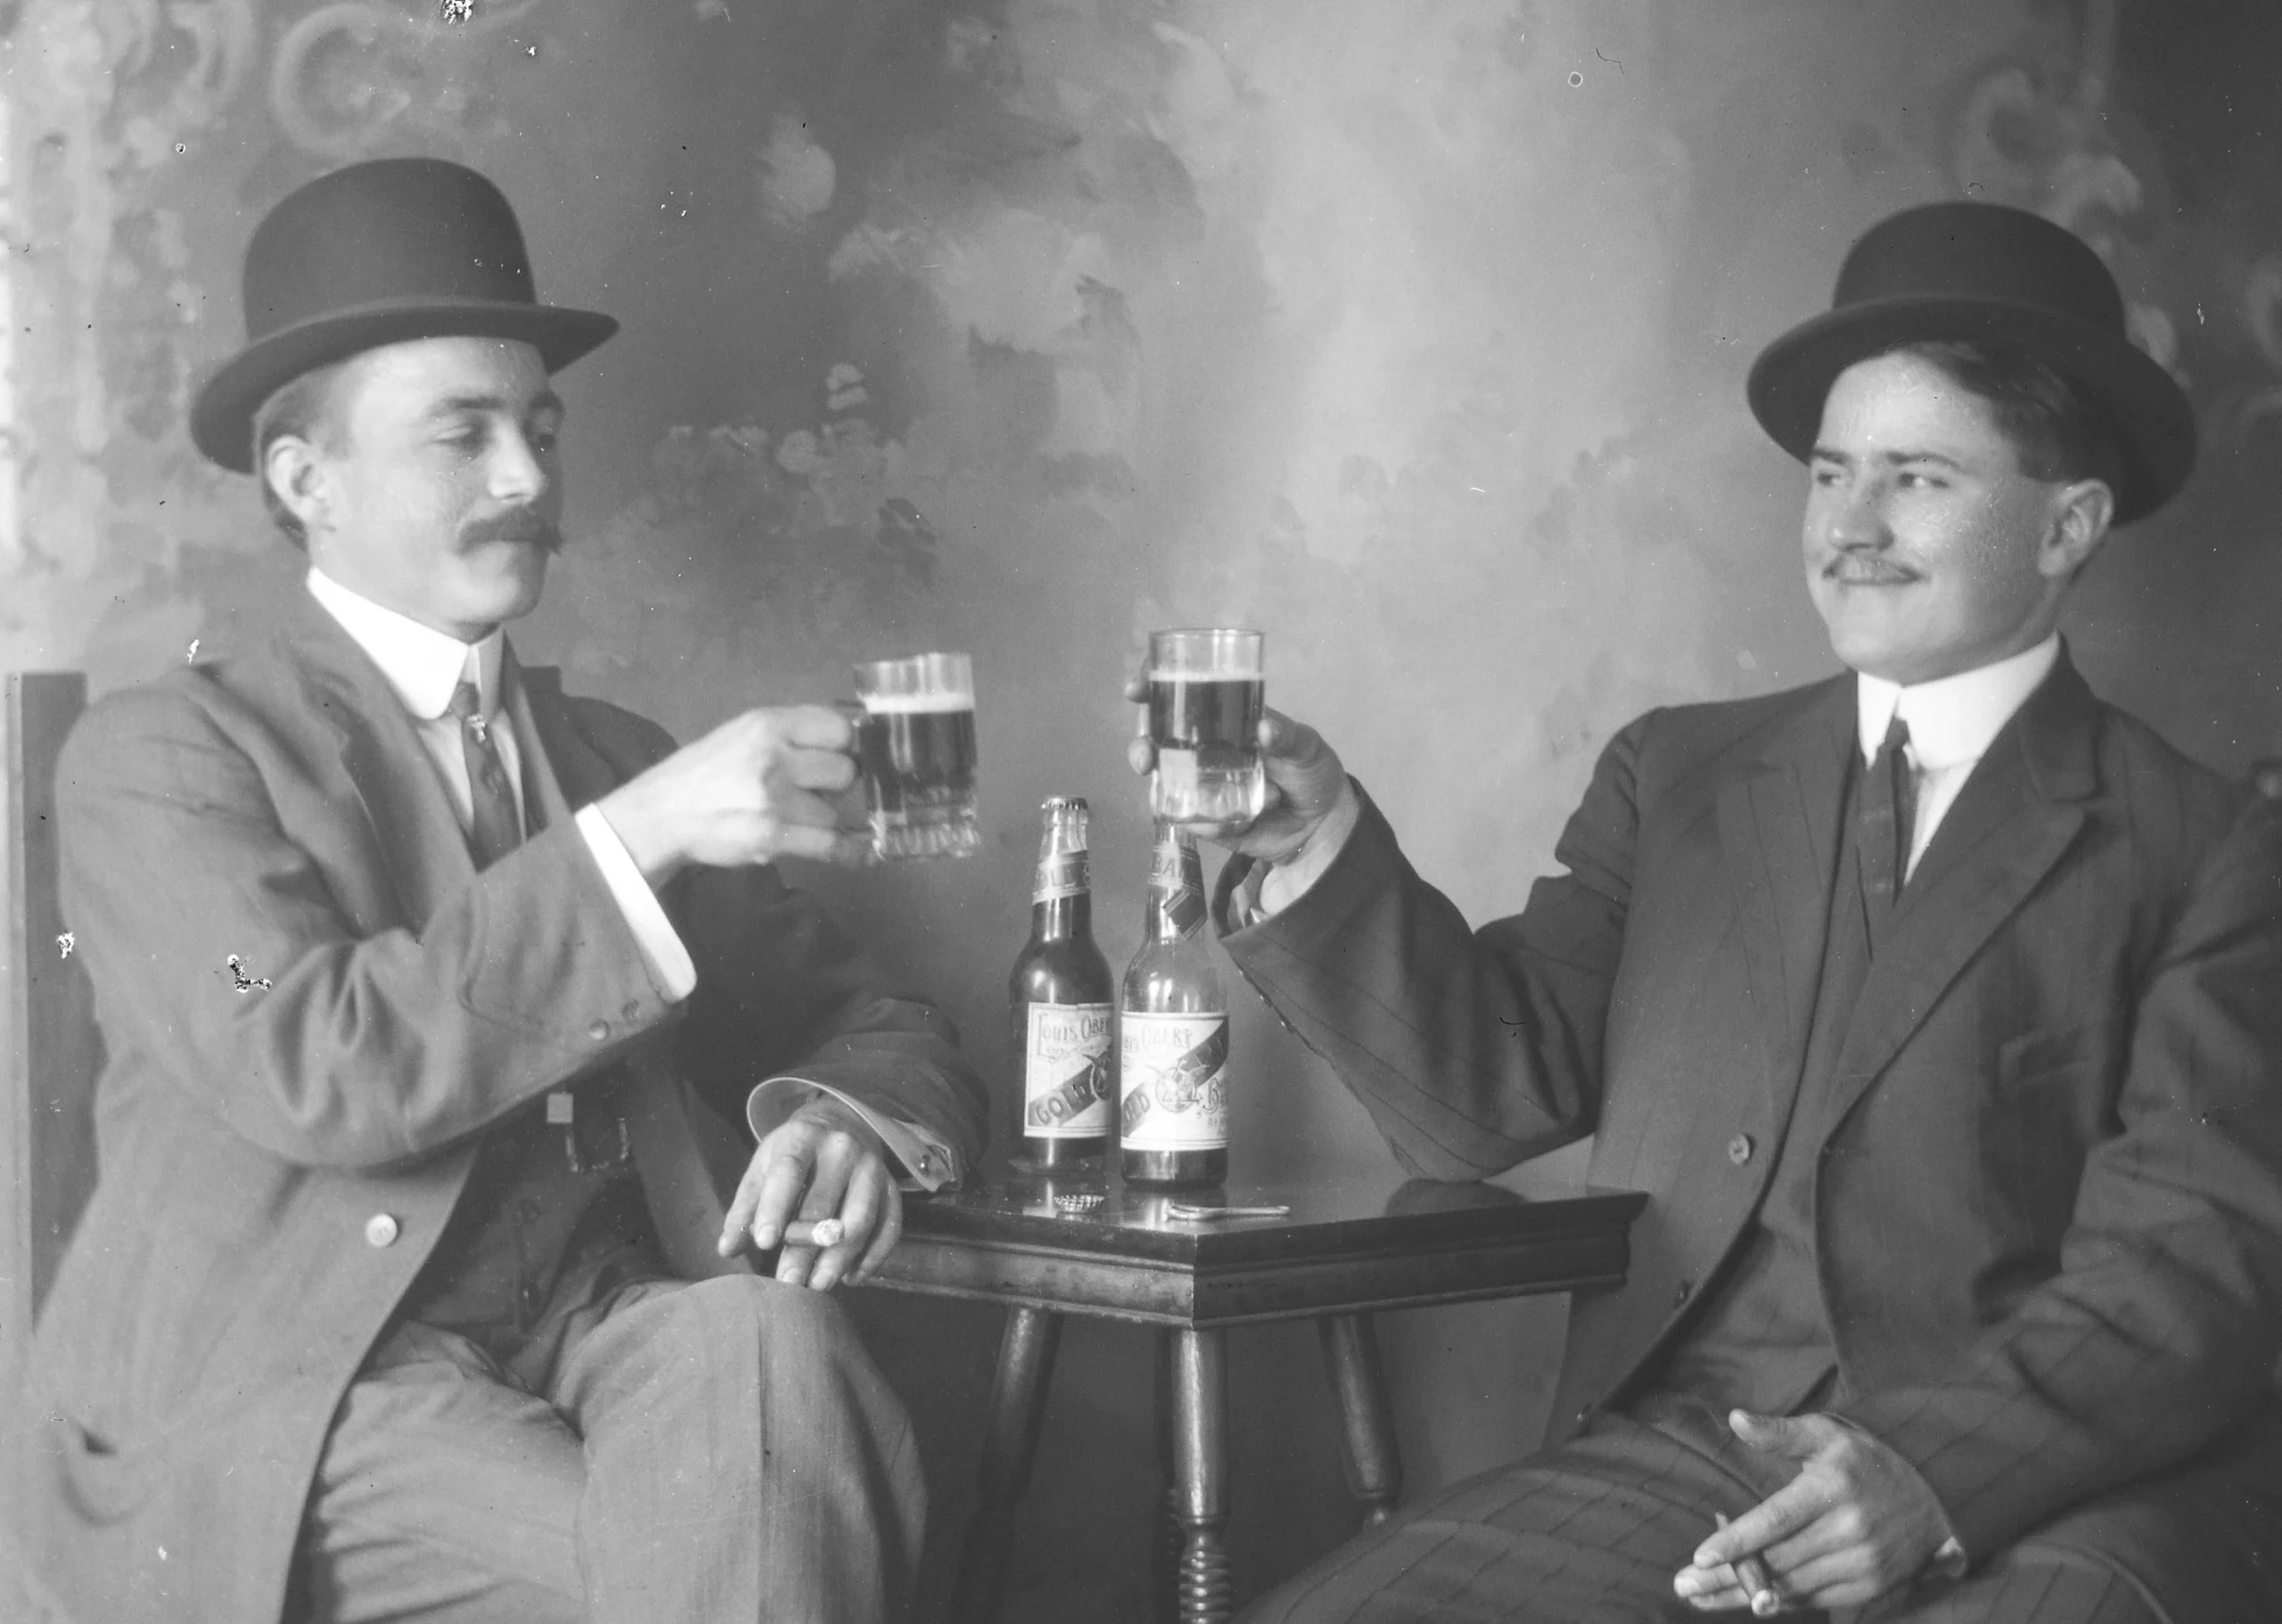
(858, 797)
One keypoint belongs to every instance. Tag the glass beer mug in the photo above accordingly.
(914, 750)
(1206, 690)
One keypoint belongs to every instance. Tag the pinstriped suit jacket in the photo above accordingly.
(2049, 1208)
(223, 1287)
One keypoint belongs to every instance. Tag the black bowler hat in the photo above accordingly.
(1984, 273)
(377, 253)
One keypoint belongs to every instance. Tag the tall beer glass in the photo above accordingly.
(1205, 693)
(915, 746)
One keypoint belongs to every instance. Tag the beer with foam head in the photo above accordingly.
(1206, 692)
(915, 748)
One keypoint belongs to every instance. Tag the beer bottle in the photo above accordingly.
(1061, 1003)
(1173, 1032)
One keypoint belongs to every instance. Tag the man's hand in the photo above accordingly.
(1856, 1522)
(1305, 781)
(824, 1161)
(755, 789)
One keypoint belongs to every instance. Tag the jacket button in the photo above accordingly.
(1739, 1149)
(631, 1010)
(380, 1230)
(599, 1031)
(1679, 1295)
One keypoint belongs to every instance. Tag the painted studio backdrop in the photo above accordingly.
(1412, 332)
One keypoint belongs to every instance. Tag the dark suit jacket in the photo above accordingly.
(2049, 1209)
(223, 1288)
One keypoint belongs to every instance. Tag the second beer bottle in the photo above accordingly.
(1063, 1007)
(1173, 1033)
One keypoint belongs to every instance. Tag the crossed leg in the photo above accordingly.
(718, 1450)
(1593, 1531)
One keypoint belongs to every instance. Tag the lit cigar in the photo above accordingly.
(1764, 1603)
(1751, 1573)
(823, 1232)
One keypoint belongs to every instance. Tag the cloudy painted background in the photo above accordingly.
(1410, 330)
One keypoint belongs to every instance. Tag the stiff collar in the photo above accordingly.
(1952, 719)
(422, 664)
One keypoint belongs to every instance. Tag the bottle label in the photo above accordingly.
(1174, 1068)
(1177, 887)
(1066, 1081)
(1060, 873)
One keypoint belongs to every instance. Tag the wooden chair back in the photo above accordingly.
(49, 1050)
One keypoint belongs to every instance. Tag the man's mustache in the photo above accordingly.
(1867, 569)
(521, 527)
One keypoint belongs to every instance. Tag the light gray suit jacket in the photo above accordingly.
(231, 1272)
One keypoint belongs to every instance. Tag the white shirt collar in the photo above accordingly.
(422, 664)
(1952, 719)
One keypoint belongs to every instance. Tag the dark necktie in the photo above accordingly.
(1887, 809)
(493, 830)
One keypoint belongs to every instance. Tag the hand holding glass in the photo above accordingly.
(914, 752)
(1206, 692)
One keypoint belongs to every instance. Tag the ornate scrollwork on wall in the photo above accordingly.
(2038, 138)
(354, 77)
(225, 39)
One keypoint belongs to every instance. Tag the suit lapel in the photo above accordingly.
(2019, 811)
(404, 806)
(562, 771)
(1779, 830)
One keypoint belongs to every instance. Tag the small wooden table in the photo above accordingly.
(1350, 1246)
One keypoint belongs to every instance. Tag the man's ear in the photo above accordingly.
(2081, 514)
(296, 475)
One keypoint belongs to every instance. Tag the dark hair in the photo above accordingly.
(302, 407)
(2058, 429)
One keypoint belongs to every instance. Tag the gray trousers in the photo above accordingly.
(1592, 1533)
(665, 1452)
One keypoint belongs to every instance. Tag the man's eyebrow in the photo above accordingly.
(545, 400)
(1892, 459)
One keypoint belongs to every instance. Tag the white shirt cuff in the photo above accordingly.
(928, 1163)
(663, 956)
(1286, 882)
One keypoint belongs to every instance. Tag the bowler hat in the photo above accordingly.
(1984, 273)
(372, 254)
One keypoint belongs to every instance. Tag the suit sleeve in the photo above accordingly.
(781, 988)
(217, 947)
(2159, 1330)
(1472, 1050)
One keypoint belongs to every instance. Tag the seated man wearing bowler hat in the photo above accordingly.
(415, 1284)
(1936, 1006)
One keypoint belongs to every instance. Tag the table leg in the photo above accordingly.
(1200, 1382)
(1374, 1460)
(1009, 1442)
(1165, 1537)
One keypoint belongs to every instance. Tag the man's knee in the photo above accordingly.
(791, 1352)
(792, 1328)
